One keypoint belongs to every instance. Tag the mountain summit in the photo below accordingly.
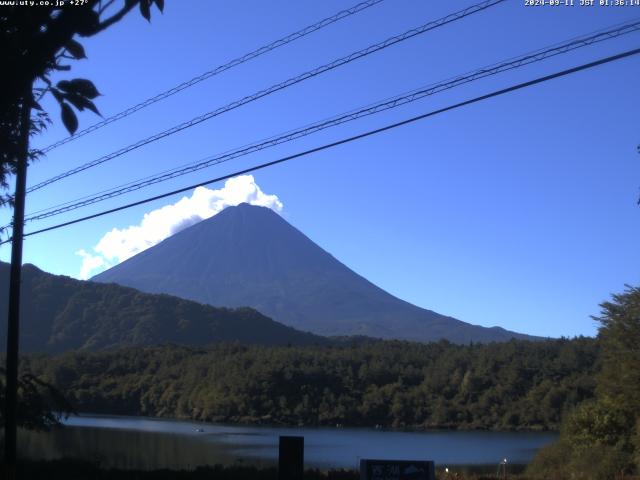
(250, 256)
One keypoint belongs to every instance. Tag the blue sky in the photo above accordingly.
(519, 211)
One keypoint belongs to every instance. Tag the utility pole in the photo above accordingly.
(13, 327)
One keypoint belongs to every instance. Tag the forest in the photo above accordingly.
(391, 384)
(60, 313)
(586, 388)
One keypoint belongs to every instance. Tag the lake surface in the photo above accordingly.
(145, 443)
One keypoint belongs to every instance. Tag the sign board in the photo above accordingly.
(397, 470)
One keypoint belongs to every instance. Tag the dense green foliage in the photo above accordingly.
(600, 439)
(59, 313)
(619, 335)
(40, 405)
(514, 385)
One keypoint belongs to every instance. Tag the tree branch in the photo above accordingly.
(102, 8)
(116, 17)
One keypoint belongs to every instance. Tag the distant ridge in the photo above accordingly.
(59, 313)
(250, 256)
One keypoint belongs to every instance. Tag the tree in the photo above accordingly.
(41, 405)
(35, 41)
(601, 438)
(619, 335)
(619, 379)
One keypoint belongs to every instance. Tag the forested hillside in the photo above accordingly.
(60, 313)
(514, 385)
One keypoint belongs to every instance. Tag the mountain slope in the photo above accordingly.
(250, 256)
(59, 313)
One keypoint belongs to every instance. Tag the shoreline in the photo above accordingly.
(257, 422)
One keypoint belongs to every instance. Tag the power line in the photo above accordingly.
(277, 87)
(327, 146)
(222, 68)
(515, 62)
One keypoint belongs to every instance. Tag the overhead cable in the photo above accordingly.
(343, 141)
(222, 68)
(275, 88)
(372, 109)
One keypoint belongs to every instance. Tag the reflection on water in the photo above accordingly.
(141, 443)
(127, 449)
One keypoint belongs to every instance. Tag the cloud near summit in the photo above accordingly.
(120, 244)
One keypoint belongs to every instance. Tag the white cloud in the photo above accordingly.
(90, 263)
(120, 244)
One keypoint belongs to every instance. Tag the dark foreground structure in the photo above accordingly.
(78, 470)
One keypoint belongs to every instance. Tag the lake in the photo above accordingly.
(146, 443)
